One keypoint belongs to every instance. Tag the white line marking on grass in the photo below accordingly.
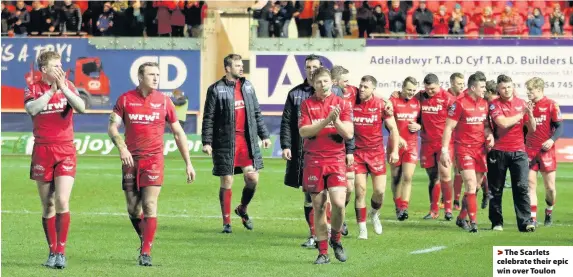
(428, 250)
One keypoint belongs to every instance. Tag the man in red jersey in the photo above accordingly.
(467, 119)
(369, 115)
(435, 102)
(540, 146)
(349, 92)
(509, 115)
(51, 103)
(325, 121)
(457, 90)
(232, 126)
(144, 111)
(407, 114)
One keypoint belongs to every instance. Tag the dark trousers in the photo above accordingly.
(304, 27)
(498, 162)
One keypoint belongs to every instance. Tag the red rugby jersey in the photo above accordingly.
(406, 111)
(545, 112)
(471, 116)
(368, 119)
(508, 139)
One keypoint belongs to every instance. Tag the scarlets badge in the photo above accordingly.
(491, 107)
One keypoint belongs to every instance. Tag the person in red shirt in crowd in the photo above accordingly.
(369, 114)
(457, 90)
(406, 110)
(540, 146)
(144, 111)
(509, 115)
(325, 121)
(51, 103)
(232, 126)
(435, 103)
(467, 120)
(349, 93)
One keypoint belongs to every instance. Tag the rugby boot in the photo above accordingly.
(431, 215)
(375, 219)
(338, 251)
(309, 243)
(530, 227)
(462, 223)
(403, 215)
(144, 260)
(448, 216)
(473, 227)
(60, 262)
(247, 222)
(51, 262)
(322, 259)
(227, 229)
(497, 228)
(344, 230)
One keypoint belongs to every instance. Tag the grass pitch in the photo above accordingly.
(189, 243)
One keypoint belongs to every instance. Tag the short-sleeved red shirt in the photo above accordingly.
(54, 124)
(328, 145)
(434, 114)
(508, 139)
(406, 111)
(349, 94)
(368, 119)
(545, 112)
(144, 119)
(471, 116)
(240, 113)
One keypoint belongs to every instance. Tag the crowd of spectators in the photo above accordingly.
(415, 18)
(103, 18)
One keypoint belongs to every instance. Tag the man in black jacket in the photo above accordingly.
(232, 124)
(291, 142)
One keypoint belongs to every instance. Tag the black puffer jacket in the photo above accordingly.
(289, 135)
(219, 125)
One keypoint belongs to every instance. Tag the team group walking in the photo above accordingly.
(331, 138)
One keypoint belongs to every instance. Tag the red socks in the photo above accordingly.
(149, 234)
(62, 227)
(49, 225)
(447, 192)
(464, 211)
(360, 215)
(472, 206)
(457, 186)
(534, 212)
(322, 247)
(434, 205)
(225, 201)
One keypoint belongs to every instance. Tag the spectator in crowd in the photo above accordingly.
(397, 19)
(277, 20)
(325, 18)
(119, 18)
(150, 17)
(37, 16)
(378, 22)
(441, 22)
(557, 21)
(163, 19)
(534, 22)
(71, 17)
(177, 19)
(5, 16)
(53, 17)
(304, 17)
(262, 13)
(288, 8)
(193, 17)
(20, 19)
(423, 20)
(181, 104)
(363, 17)
(487, 22)
(105, 20)
(135, 19)
(458, 21)
(510, 21)
(348, 14)
(338, 32)
(571, 21)
(91, 16)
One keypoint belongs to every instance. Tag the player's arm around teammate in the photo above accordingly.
(232, 126)
(50, 102)
(144, 112)
(540, 146)
(326, 121)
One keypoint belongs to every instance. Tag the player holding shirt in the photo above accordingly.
(232, 127)
(144, 112)
(540, 146)
(457, 90)
(467, 119)
(435, 102)
(369, 115)
(325, 121)
(407, 115)
(51, 103)
(509, 115)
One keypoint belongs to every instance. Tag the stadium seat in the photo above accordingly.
(470, 8)
(472, 34)
(434, 6)
(450, 5)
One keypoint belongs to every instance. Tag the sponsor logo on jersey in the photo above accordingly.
(155, 106)
(407, 116)
(143, 118)
(56, 107)
(367, 120)
(540, 119)
(431, 109)
(476, 119)
(318, 120)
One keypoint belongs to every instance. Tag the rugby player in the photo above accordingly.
(457, 90)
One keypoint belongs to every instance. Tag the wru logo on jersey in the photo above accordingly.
(143, 118)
